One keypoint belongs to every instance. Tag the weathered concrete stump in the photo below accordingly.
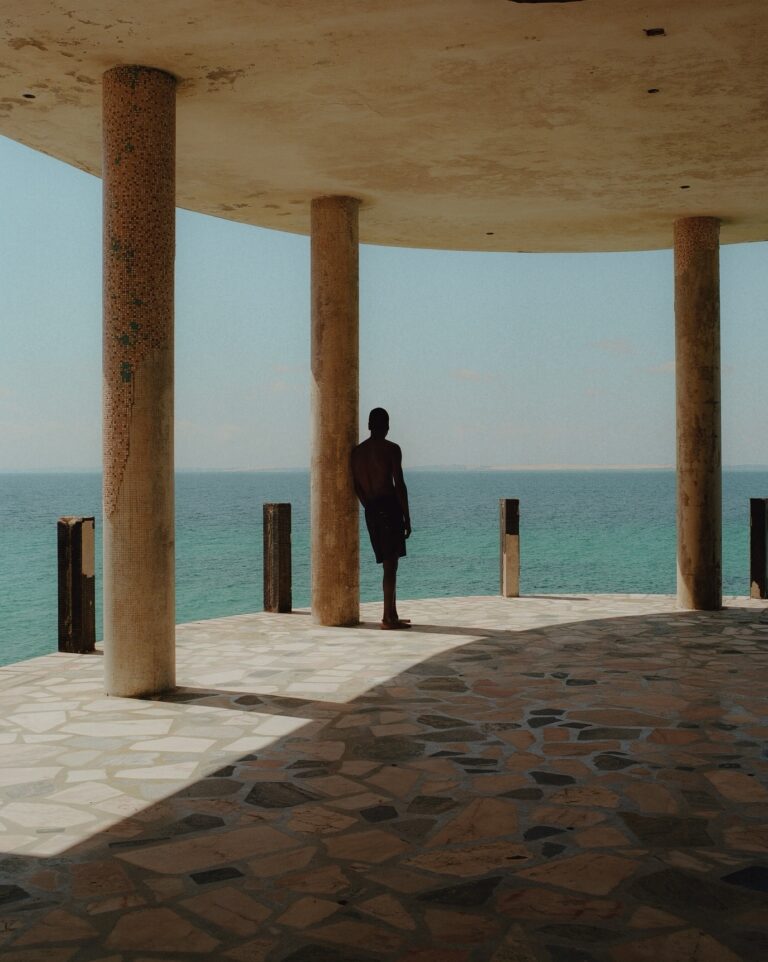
(758, 547)
(77, 585)
(509, 531)
(277, 557)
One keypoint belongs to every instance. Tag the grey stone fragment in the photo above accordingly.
(608, 734)
(388, 748)
(667, 831)
(612, 763)
(12, 893)
(379, 813)
(540, 721)
(442, 684)
(524, 794)
(431, 805)
(249, 699)
(754, 877)
(548, 849)
(278, 795)
(216, 875)
(322, 953)
(541, 831)
(196, 822)
(675, 891)
(467, 893)
(414, 829)
(573, 932)
(456, 735)
(562, 953)
(440, 721)
(210, 788)
(552, 778)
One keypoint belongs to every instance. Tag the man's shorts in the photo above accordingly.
(384, 520)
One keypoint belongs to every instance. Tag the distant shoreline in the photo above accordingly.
(409, 468)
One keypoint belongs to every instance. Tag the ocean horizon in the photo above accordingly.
(607, 529)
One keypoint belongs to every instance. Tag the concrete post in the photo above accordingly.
(758, 547)
(509, 536)
(77, 584)
(335, 364)
(139, 212)
(277, 557)
(699, 498)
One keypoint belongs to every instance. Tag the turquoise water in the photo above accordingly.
(605, 531)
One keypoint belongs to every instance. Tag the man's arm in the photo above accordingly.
(401, 492)
(355, 481)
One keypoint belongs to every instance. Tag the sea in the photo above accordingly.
(580, 531)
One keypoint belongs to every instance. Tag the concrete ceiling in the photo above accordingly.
(461, 124)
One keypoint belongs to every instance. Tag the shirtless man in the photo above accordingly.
(377, 472)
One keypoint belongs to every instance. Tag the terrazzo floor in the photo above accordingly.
(544, 779)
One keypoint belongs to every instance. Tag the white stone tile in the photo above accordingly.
(280, 725)
(125, 806)
(39, 721)
(174, 743)
(89, 793)
(44, 815)
(178, 771)
(11, 843)
(249, 743)
(128, 729)
(24, 776)
(86, 775)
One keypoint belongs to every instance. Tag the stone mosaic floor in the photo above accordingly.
(536, 780)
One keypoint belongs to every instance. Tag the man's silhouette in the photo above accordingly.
(377, 472)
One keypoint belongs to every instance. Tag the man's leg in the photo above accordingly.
(389, 584)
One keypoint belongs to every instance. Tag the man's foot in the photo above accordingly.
(399, 624)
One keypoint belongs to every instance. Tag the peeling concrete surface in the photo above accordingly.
(465, 125)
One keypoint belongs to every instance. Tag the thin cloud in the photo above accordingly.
(666, 367)
(197, 430)
(614, 345)
(468, 374)
(289, 368)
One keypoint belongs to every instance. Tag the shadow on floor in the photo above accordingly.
(586, 791)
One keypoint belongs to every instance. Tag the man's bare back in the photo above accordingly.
(377, 471)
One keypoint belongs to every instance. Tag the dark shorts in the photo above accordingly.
(384, 520)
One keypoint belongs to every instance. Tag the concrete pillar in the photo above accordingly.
(335, 365)
(139, 212)
(697, 336)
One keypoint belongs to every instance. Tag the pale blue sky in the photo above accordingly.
(481, 359)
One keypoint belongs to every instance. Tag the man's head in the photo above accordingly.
(378, 422)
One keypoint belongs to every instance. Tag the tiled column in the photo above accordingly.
(139, 212)
(335, 365)
(699, 497)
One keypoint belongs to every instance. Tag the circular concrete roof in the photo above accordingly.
(465, 124)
